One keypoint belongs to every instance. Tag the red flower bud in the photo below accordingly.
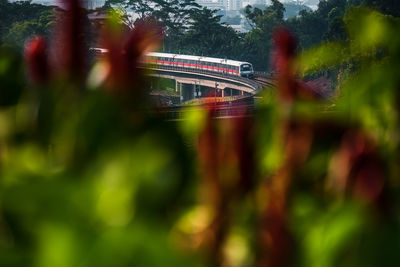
(36, 59)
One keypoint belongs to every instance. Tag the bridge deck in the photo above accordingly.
(245, 82)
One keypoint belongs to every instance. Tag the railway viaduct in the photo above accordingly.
(195, 84)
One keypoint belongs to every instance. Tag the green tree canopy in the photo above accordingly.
(19, 20)
(207, 36)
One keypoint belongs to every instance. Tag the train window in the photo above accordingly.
(245, 67)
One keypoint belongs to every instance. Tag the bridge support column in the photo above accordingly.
(199, 91)
(178, 88)
(187, 92)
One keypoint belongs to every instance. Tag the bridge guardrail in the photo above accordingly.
(242, 80)
(211, 100)
(264, 74)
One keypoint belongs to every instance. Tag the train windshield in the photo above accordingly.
(246, 67)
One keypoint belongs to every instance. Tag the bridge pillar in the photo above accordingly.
(178, 88)
(194, 91)
(187, 92)
(199, 91)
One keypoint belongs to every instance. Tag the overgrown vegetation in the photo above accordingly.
(20, 20)
(190, 29)
(92, 175)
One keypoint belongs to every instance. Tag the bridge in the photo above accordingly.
(193, 83)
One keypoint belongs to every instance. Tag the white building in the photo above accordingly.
(221, 4)
(212, 4)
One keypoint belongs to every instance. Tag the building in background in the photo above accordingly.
(93, 4)
(212, 4)
(234, 4)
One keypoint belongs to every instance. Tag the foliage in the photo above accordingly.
(207, 37)
(20, 20)
(293, 10)
(257, 42)
(93, 175)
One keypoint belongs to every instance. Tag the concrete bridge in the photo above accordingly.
(191, 83)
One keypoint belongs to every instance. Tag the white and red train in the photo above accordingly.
(225, 66)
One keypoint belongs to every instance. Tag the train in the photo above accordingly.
(200, 63)
(225, 66)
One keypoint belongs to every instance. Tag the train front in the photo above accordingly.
(246, 70)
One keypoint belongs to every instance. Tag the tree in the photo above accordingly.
(20, 20)
(142, 8)
(390, 7)
(175, 15)
(206, 36)
(257, 43)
